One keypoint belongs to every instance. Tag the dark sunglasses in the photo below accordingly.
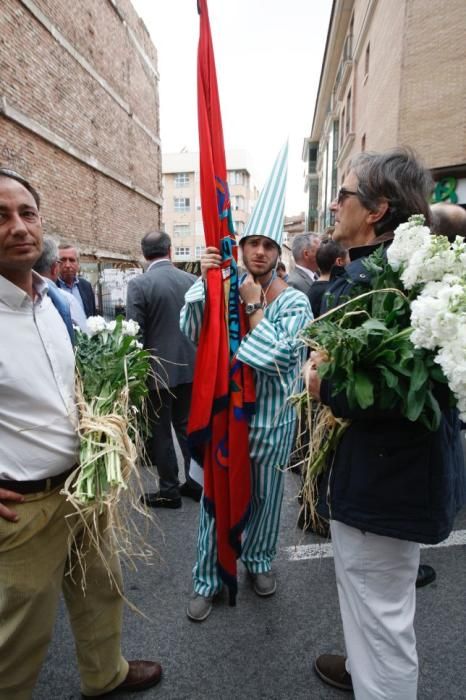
(343, 193)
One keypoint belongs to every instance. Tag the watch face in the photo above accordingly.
(250, 308)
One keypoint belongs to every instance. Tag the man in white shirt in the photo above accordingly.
(38, 449)
(304, 248)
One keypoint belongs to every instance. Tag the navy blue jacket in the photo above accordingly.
(86, 293)
(391, 476)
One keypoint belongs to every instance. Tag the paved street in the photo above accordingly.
(263, 648)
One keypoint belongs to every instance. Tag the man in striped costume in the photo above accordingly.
(276, 315)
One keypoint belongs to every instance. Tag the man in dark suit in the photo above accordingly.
(154, 300)
(79, 287)
(304, 248)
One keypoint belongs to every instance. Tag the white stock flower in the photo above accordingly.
(410, 238)
(111, 325)
(130, 327)
(96, 324)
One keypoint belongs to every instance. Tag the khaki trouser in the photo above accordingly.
(33, 572)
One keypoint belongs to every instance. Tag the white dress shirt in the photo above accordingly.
(38, 416)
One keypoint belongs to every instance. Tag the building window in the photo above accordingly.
(363, 143)
(182, 252)
(239, 227)
(237, 202)
(181, 179)
(181, 203)
(367, 60)
(348, 113)
(236, 177)
(199, 249)
(342, 127)
(181, 230)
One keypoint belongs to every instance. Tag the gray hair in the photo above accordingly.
(397, 176)
(65, 246)
(302, 242)
(48, 257)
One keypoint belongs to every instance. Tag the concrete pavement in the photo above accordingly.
(263, 648)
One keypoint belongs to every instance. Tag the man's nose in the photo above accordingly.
(333, 204)
(18, 225)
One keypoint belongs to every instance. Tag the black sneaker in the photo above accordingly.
(157, 500)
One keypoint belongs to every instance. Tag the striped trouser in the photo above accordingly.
(270, 449)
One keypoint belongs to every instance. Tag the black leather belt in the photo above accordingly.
(25, 487)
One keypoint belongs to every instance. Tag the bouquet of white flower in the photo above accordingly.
(438, 313)
(394, 346)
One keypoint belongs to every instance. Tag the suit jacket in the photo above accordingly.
(88, 297)
(155, 300)
(300, 280)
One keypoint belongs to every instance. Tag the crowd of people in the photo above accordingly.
(392, 486)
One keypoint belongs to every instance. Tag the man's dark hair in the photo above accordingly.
(448, 220)
(155, 244)
(281, 266)
(327, 253)
(397, 176)
(48, 257)
(6, 172)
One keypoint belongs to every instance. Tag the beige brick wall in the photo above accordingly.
(376, 96)
(42, 80)
(433, 93)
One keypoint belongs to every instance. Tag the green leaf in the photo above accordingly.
(363, 389)
(419, 375)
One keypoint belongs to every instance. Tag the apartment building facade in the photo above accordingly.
(182, 215)
(394, 73)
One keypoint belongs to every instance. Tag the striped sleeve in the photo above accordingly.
(273, 346)
(193, 311)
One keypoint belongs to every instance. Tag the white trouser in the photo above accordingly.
(376, 579)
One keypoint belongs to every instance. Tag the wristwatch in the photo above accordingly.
(252, 308)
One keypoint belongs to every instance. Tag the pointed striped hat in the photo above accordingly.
(267, 217)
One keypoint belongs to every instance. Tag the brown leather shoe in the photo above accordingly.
(141, 675)
(332, 670)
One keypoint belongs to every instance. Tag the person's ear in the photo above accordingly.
(382, 208)
(55, 270)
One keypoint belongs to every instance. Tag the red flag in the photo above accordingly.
(223, 389)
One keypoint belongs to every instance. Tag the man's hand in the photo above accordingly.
(5, 512)
(210, 259)
(250, 291)
(310, 374)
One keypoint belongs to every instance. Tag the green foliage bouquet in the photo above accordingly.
(112, 369)
(391, 348)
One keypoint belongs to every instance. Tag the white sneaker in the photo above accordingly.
(199, 607)
(264, 584)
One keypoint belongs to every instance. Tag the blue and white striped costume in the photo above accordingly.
(275, 353)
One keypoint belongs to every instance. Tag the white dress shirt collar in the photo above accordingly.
(308, 272)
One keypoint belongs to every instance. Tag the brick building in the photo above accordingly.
(79, 116)
(394, 73)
